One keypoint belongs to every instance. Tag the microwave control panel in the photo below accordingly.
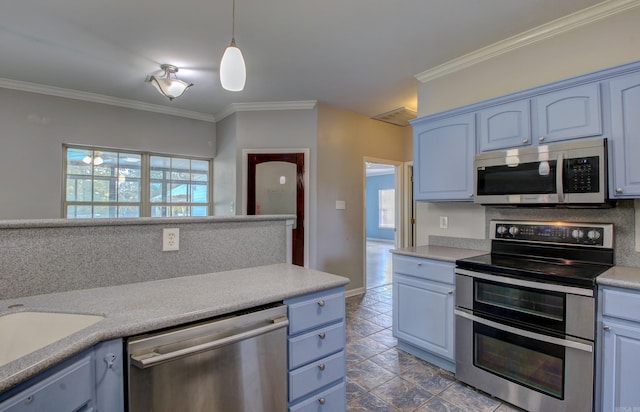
(581, 175)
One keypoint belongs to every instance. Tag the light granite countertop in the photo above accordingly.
(444, 253)
(622, 277)
(143, 307)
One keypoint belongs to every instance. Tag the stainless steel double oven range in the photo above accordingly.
(525, 313)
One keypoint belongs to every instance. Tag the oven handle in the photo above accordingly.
(532, 335)
(154, 358)
(552, 287)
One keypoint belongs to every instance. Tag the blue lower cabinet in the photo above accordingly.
(619, 372)
(316, 357)
(85, 382)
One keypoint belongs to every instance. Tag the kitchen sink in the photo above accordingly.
(24, 332)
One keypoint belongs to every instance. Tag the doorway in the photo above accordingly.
(275, 185)
(383, 190)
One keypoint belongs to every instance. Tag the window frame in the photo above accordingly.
(145, 181)
(381, 224)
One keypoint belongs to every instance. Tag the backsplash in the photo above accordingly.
(39, 260)
(622, 216)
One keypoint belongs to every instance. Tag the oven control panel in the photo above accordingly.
(569, 233)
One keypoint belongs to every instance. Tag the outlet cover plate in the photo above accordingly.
(170, 239)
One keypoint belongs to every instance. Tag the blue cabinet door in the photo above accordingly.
(621, 366)
(504, 126)
(624, 143)
(423, 314)
(569, 114)
(443, 158)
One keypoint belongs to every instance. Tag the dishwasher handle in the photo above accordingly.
(146, 361)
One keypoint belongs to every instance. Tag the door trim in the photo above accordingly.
(399, 188)
(307, 167)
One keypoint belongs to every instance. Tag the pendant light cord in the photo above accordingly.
(233, 24)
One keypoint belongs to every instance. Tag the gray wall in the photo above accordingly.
(61, 257)
(34, 127)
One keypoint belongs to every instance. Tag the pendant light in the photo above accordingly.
(233, 72)
(171, 87)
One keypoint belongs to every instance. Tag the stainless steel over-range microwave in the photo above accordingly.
(566, 173)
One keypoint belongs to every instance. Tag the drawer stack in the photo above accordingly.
(316, 357)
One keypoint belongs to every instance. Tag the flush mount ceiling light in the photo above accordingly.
(233, 72)
(170, 87)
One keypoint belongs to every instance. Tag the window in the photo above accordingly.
(387, 208)
(109, 183)
(179, 187)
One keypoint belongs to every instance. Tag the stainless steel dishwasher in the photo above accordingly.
(234, 363)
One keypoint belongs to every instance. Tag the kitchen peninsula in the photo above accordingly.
(130, 306)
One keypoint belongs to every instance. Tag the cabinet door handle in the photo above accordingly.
(607, 328)
(619, 190)
(525, 140)
(321, 401)
(470, 194)
(321, 303)
(541, 138)
(322, 335)
(450, 292)
(419, 264)
(321, 366)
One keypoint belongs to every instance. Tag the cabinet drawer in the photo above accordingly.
(66, 390)
(424, 268)
(621, 304)
(331, 400)
(315, 345)
(314, 376)
(315, 310)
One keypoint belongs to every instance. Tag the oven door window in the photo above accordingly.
(538, 309)
(528, 362)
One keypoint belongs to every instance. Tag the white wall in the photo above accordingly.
(601, 44)
(34, 127)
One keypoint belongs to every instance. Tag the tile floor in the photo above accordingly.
(383, 378)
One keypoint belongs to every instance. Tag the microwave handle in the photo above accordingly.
(559, 177)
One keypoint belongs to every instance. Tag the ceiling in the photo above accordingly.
(360, 55)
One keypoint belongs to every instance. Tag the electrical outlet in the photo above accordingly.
(170, 239)
(444, 222)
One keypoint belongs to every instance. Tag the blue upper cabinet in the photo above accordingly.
(624, 143)
(503, 126)
(568, 114)
(443, 158)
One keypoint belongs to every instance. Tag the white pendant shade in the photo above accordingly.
(233, 72)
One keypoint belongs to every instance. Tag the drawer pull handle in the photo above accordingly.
(321, 401)
(28, 399)
(419, 264)
(606, 328)
(321, 366)
(321, 335)
(321, 303)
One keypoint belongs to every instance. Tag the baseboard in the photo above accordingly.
(354, 292)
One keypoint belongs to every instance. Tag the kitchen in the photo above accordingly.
(337, 240)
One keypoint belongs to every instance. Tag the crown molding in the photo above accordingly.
(265, 106)
(548, 30)
(99, 98)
